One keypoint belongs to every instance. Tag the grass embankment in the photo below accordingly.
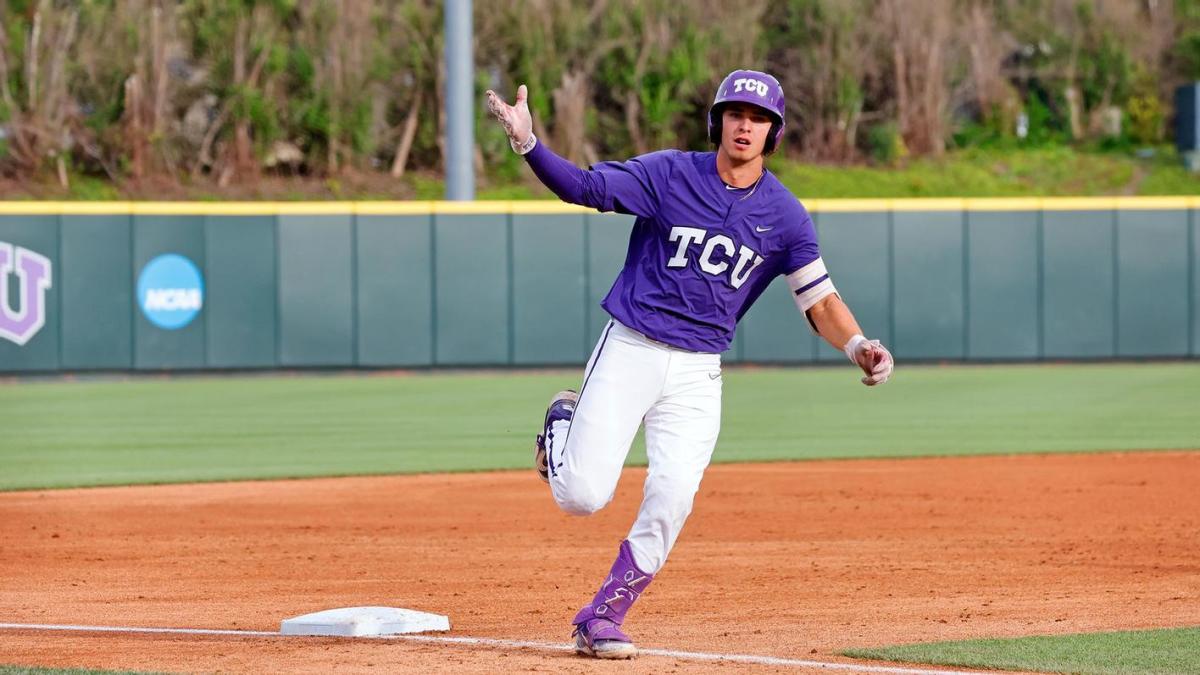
(998, 173)
(1171, 651)
(1055, 171)
(110, 432)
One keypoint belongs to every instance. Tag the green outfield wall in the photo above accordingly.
(192, 286)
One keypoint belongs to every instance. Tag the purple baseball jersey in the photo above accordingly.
(700, 252)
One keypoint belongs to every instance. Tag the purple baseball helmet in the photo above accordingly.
(753, 87)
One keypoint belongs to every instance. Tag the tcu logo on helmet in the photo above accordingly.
(747, 260)
(34, 272)
(750, 84)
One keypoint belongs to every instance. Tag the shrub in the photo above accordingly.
(885, 144)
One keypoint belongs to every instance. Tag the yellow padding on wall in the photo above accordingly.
(418, 208)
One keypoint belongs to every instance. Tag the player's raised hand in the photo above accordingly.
(874, 359)
(517, 121)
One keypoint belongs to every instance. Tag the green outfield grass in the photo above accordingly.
(1169, 652)
(60, 433)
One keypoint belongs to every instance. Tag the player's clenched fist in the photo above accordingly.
(517, 121)
(874, 359)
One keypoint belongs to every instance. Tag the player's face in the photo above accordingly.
(744, 130)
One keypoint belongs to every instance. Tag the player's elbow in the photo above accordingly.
(825, 305)
(820, 311)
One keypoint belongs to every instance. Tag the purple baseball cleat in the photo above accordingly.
(598, 625)
(603, 639)
(561, 408)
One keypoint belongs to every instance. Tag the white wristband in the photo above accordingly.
(523, 148)
(852, 346)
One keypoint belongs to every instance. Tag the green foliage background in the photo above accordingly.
(213, 91)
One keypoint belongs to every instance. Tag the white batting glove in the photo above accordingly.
(874, 359)
(517, 121)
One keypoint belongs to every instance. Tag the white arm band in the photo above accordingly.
(809, 284)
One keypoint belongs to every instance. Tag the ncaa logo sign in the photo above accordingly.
(170, 291)
(751, 85)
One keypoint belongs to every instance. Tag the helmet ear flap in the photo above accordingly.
(772, 136)
(714, 125)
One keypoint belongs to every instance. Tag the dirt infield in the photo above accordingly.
(786, 560)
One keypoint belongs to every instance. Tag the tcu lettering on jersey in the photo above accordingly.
(710, 262)
(751, 85)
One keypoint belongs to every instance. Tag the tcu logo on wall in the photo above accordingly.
(747, 260)
(750, 84)
(33, 270)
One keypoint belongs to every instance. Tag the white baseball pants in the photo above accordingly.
(630, 379)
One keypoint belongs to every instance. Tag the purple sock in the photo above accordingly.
(624, 584)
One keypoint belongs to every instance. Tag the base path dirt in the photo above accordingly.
(791, 560)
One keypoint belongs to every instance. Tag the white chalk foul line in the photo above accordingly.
(511, 644)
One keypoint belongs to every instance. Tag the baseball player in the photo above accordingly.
(712, 230)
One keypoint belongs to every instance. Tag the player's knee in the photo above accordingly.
(579, 497)
(579, 507)
(583, 505)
